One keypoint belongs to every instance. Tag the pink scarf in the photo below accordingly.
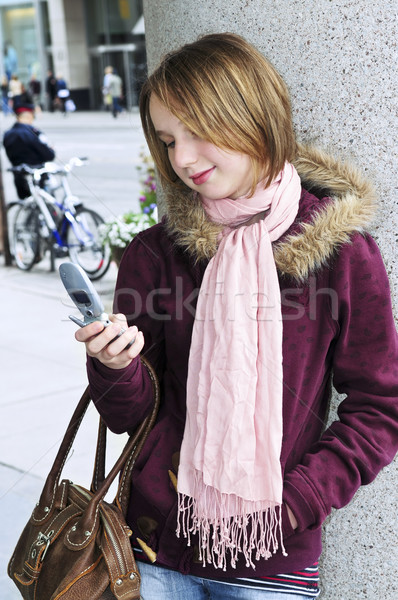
(229, 478)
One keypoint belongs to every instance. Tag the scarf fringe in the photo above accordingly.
(245, 533)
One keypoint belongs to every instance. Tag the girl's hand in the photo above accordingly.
(108, 344)
(292, 518)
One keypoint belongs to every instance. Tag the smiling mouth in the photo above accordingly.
(202, 177)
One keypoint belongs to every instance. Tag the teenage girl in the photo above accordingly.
(259, 287)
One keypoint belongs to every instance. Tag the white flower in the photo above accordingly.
(119, 231)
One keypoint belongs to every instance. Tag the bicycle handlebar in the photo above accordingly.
(24, 169)
(49, 168)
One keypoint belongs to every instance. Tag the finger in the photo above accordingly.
(123, 341)
(133, 350)
(137, 346)
(89, 331)
(120, 319)
(97, 344)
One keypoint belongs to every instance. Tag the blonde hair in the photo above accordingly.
(226, 92)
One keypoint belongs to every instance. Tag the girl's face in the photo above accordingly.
(203, 167)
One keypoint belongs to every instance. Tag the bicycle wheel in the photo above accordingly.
(26, 237)
(85, 247)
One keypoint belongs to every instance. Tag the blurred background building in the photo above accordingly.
(76, 40)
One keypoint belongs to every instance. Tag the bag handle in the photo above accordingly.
(47, 497)
(100, 454)
(88, 521)
(123, 492)
(84, 530)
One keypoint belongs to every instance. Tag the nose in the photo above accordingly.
(185, 154)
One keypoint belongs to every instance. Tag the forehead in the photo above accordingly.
(162, 118)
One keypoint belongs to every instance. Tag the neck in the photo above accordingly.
(256, 218)
(26, 118)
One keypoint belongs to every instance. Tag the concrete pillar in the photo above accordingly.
(69, 47)
(339, 60)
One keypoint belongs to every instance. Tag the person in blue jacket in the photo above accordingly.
(24, 144)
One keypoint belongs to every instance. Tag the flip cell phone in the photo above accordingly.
(83, 294)
(85, 297)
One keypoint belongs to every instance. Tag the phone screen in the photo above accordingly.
(81, 297)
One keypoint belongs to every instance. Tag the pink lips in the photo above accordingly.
(202, 177)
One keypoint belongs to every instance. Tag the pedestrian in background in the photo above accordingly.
(259, 289)
(5, 107)
(24, 144)
(10, 59)
(107, 75)
(15, 88)
(115, 86)
(62, 94)
(35, 91)
(51, 90)
(106, 96)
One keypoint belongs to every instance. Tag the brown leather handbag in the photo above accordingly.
(76, 546)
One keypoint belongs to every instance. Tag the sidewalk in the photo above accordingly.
(43, 367)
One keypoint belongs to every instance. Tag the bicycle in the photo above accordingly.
(61, 225)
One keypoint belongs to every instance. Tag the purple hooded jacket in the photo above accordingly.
(338, 329)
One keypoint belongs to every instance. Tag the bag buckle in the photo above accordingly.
(42, 538)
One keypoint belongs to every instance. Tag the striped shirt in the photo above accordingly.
(304, 582)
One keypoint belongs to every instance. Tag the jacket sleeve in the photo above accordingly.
(364, 439)
(44, 151)
(124, 397)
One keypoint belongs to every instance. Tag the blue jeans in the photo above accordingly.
(161, 584)
(116, 108)
(5, 106)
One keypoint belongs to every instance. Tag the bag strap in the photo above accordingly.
(47, 497)
(131, 449)
(123, 492)
(100, 454)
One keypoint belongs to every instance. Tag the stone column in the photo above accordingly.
(69, 47)
(339, 60)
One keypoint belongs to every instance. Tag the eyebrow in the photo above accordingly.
(160, 132)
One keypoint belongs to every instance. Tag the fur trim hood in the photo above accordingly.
(350, 209)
